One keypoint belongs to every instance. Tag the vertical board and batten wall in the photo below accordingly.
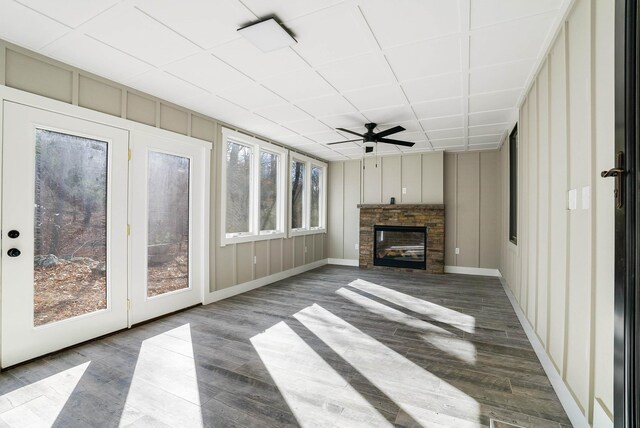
(561, 270)
(230, 265)
(467, 184)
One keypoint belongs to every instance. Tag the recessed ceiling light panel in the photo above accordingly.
(267, 35)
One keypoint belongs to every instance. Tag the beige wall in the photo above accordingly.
(561, 270)
(230, 265)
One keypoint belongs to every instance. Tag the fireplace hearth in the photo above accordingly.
(400, 246)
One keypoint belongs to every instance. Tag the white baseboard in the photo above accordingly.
(343, 262)
(601, 416)
(578, 420)
(261, 282)
(472, 271)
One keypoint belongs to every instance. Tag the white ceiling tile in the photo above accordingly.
(293, 140)
(244, 56)
(214, 106)
(204, 22)
(299, 85)
(96, 57)
(409, 126)
(349, 120)
(438, 108)
(349, 148)
(382, 148)
(490, 12)
(70, 12)
(490, 117)
(376, 97)
(359, 72)
(512, 41)
(499, 77)
(485, 139)
(445, 133)
(420, 146)
(137, 34)
(434, 88)
(330, 35)
(492, 129)
(412, 136)
(443, 123)
(283, 113)
(404, 21)
(423, 59)
(251, 96)
(494, 100)
(286, 10)
(160, 84)
(478, 147)
(27, 28)
(305, 127)
(330, 105)
(328, 137)
(208, 72)
(393, 114)
(448, 143)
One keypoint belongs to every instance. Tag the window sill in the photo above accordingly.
(224, 241)
(302, 232)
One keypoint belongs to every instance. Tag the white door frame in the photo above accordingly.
(38, 101)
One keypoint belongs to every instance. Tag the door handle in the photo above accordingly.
(13, 252)
(618, 173)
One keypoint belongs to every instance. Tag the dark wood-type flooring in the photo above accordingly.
(336, 346)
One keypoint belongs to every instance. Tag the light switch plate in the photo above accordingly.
(573, 199)
(404, 190)
(586, 198)
(356, 246)
(457, 250)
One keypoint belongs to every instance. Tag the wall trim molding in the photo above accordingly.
(343, 262)
(225, 293)
(472, 271)
(569, 404)
(601, 416)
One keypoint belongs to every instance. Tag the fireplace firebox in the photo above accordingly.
(400, 246)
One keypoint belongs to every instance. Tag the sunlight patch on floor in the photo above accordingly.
(164, 381)
(316, 394)
(411, 387)
(40, 403)
(436, 336)
(437, 312)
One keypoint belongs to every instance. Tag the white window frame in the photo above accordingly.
(309, 163)
(256, 146)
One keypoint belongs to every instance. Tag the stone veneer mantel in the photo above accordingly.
(430, 216)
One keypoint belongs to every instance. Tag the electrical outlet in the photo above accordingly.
(255, 260)
(404, 190)
(573, 199)
(457, 250)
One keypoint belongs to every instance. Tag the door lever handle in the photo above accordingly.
(613, 172)
(618, 173)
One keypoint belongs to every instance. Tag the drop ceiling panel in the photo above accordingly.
(214, 106)
(499, 77)
(492, 129)
(284, 113)
(424, 19)
(137, 34)
(448, 143)
(429, 109)
(96, 57)
(208, 72)
(252, 96)
(496, 116)
(434, 88)
(330, 35)
(256, 64)
(490, 12)
(411, 136)
(306, 127)
(359, 72)
(204, 22)
(286, 10)
(27, 28)
(326, 106)
(69, 12)
(165, 86)
(409, 126)
(443, 123)
(390, 114)
(445, 133)
(349, 120)
(299, 85)
(376, 97)
(494, 100)
(485, 139)
(417, 60)
(512, 41)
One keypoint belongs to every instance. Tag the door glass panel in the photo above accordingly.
(70, 240)
(168, 235)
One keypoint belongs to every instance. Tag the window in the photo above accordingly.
(513, 185)
(308, 198)
(253, 189)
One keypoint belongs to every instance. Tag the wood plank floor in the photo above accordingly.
(336, 346)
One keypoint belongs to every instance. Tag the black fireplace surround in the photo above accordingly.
(400, 246)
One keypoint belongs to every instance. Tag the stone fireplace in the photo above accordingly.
(402, 237)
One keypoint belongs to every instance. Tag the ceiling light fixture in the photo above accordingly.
(267, 35)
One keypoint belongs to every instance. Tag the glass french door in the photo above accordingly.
(167, 226)
(64, 231)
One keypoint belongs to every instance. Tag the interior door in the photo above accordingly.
(64, 241)
(167, 225)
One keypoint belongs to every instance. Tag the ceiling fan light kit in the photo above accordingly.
(370, 138)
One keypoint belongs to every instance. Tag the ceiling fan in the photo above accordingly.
(370, 137)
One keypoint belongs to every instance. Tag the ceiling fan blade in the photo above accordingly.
(350, 132)
(389, 131)
(347, 141)
(396, 142)
(368, 149)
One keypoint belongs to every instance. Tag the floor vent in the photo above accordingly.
(500, 424)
